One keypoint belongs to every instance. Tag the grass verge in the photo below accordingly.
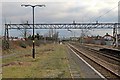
(50, 62)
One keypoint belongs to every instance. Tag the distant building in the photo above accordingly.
(74, 38)
(108, 37)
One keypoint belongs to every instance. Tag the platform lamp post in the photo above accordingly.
(33, 6)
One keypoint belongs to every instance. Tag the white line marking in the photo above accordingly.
(88, 64)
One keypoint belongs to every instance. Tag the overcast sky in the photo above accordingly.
(59, 11)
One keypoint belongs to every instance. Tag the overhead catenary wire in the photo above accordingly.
(96, 19)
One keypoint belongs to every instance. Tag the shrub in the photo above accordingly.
(37, 42)
(23, 45)
(29, 42)
(5, 45)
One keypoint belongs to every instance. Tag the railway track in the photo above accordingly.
(114, 54)
(104, 67)
(109, 58)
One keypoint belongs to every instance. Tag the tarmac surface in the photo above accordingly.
(82, 69)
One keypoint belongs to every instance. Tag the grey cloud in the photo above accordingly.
(53, 12)
(61, 12)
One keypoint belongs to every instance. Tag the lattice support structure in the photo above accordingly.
(6, 38)
(69, 26)
(64, 26)
(115, 41)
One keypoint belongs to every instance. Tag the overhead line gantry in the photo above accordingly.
(113, 26)
(63, 26)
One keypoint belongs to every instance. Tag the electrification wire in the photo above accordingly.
(96, 19)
